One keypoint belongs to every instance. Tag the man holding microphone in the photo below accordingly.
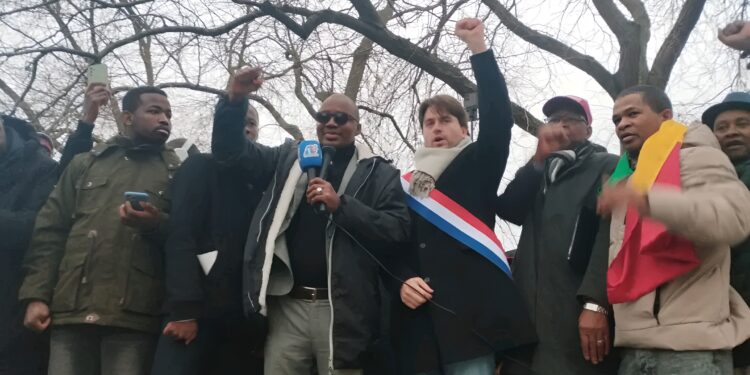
(302, 267)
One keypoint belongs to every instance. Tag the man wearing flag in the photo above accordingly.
(676, 207)
(455, 260)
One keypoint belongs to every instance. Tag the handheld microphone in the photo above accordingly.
(310, 158)
(328, 153)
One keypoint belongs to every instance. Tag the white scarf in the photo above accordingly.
(429, 164)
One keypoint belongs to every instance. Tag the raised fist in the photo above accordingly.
(551, 138)
(471, 32)
(736, 35)
(243, 82)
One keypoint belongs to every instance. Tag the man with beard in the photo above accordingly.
(94, 277)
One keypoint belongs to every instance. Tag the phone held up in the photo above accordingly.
(97, 74)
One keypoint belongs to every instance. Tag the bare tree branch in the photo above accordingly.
(360, 57)
(393, 121)
(25, 107)
(586, 63)
(27, 8)
(675, 42)
(133, 38)
(123, 4)
(396, 45)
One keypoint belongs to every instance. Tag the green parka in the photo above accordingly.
(83, 261)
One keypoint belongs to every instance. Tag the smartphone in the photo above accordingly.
(97, 73)
(136, 198)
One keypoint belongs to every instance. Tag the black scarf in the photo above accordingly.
(559, 162)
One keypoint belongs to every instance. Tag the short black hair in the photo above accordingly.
(132, 98)
(653, 96)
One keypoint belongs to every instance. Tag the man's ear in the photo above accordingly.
(589, 131)
(465, 131)
(127, 119)
(666, 114)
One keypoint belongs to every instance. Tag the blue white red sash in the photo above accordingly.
(458, 223)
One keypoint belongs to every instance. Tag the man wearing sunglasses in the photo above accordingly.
(302, 268)
(561, 262)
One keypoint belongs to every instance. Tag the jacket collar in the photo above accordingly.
(120, 141)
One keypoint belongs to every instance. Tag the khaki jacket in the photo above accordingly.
(83, 262)
(699, 310)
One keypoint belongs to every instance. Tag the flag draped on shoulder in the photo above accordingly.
(650, 256)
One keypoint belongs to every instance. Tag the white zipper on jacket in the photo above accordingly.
(330, 289)
(573, 240)
(260, 231)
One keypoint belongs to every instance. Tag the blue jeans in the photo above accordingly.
(667, 362)
(96, 350)
(477, 366)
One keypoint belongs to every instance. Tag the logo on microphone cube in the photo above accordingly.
(311, 150)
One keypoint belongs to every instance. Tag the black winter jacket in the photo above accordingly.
(561, 260)
(27, 176)
(212, 206)
(372, 209)
(490, 315)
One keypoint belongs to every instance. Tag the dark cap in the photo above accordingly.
(735, 100)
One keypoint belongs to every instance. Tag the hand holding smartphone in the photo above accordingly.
(136, 198)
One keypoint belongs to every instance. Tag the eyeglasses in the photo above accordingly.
(565, 120)
(340, 118)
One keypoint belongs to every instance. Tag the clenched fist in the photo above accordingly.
(243, 82)
(37, 316)
(471, 32)
(551, 138)
(736, 35)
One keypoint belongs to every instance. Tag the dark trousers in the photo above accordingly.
(27, 353)
(222, 346)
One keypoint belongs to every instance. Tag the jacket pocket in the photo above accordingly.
(158, 198)
(65, 296)
(145, 287)
(90, 192)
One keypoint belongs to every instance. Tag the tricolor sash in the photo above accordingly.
(444, 213)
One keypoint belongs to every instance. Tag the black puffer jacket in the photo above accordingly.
(372, 209)
(27, 176)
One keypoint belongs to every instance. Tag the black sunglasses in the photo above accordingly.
(340, 118)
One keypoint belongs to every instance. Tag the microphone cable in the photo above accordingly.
(462, 321)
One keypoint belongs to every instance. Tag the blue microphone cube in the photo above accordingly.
(310, 155)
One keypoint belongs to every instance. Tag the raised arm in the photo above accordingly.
(495, 116)
(228, 143)
(81, 140)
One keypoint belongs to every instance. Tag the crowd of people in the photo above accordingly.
(242, 261)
